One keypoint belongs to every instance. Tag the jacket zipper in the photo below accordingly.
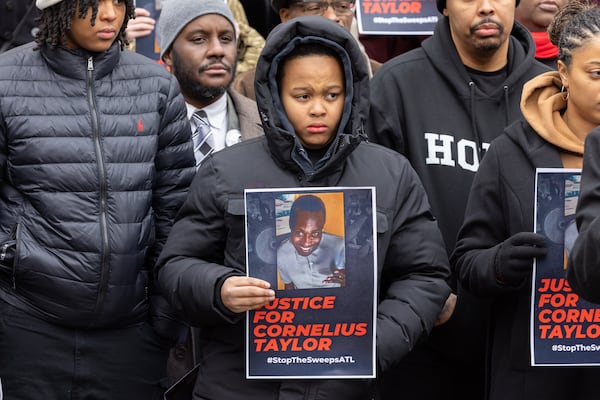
(102, 180)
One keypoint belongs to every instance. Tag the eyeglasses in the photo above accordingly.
(319, 7)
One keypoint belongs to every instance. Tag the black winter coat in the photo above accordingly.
(501, 204)
(207, 243)
(583, 272)
(95, 160)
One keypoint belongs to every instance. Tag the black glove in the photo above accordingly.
(514, 262)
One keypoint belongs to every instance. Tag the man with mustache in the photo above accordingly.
(199, 46)
(198, 43)
(441, 105)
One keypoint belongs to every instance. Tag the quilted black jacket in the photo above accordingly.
(95, 160)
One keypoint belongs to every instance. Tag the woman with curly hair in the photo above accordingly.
(496, 246)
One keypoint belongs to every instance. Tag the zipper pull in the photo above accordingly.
(90, 66)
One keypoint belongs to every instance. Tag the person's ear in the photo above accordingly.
(167, 59)
(563, 71)
(284, 14)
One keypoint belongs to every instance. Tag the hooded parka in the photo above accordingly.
(207, 243)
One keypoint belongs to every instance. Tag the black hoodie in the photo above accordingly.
(425, 105)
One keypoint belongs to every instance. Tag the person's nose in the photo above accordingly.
(107, 10)
(216, 48)
(306, 241)
(331, 15)
(486, 7)
(318, 109)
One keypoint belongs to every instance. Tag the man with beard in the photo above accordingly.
(441, 105)
(198, 44)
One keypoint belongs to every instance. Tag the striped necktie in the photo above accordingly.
(202, 136)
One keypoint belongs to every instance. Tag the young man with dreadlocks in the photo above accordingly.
(95, 160)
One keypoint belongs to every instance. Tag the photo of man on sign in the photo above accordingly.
(310, 257)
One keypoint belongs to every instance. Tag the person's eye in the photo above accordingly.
(226, 39)
(332, 96)
(301, 97)
(312, 7)
(198, 39)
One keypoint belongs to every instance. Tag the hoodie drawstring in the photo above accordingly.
(474, 121)
(506, 106)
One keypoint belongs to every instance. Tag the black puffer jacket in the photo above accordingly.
(95, 160)
(207, 244)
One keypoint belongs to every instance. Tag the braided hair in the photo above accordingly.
(56, 21)
(575, 23)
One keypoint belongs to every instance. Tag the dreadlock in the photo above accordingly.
(575, 23)
(56, 21)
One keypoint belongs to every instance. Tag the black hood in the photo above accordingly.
(283, 143)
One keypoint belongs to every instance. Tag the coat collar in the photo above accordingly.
(74, 63)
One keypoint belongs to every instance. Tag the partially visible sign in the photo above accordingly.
(565, 329)
(148, 45)
(397, 17)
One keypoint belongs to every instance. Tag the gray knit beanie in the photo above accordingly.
(176, 14)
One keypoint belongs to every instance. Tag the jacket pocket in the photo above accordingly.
(382, 223)
(383, 238)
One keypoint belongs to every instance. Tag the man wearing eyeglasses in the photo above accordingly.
(341, 12)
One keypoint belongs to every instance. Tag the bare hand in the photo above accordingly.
(140, 26)
(338, 276)
(447, 310)
(241, 293)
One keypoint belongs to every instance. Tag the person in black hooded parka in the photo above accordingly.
(314, 136)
